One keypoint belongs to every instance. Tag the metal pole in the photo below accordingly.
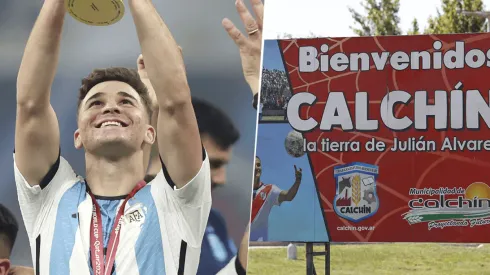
(309, 259)
(327, 258)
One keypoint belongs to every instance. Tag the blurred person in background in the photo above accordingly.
(157, 228)
(8, 234)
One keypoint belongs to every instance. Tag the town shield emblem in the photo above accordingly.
(356, 198)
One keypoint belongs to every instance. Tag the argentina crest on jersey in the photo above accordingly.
(356, 198)
(135, 215)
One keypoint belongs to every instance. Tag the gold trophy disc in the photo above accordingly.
(96, 12)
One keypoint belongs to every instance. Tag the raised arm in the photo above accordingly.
(21, 270)
(250, 46)
(37, 137)
(178, 137)
(291, 193)
(152, 159)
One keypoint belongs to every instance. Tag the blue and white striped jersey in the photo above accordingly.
(217, 247)
(161, 233)
(219, 253)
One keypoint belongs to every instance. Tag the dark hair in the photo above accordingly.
(129, 76)
(215, 123)
(8, 226)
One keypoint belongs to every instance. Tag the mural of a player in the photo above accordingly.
(265, 196)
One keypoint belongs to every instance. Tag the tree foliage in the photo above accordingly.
(381, 18)
(415, 28)
(451, 21)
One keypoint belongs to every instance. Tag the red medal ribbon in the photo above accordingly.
(96, 235)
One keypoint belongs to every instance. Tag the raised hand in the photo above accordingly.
(144, 77)
(141, 67)
(140, 63)
(250, 46)
(298, 173)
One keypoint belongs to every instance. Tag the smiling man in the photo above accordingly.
(111, 221)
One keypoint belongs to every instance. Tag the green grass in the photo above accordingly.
(378, 259)
(273, 118)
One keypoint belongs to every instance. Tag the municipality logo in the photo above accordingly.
(356, 198)
(450, 207)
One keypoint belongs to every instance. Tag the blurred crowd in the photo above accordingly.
(275, 91)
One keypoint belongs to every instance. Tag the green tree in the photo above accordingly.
(451, 21)
(415, 28)
(381, 18)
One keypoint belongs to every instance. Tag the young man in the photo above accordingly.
(8, 234)
(111, 222)
(266, 196)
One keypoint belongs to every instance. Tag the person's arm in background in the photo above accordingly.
(243, 253)
(21, 270)
(178, 138)
(288, 195)
(152, 156)
(154, 164)
(250, 48)
(238, 264)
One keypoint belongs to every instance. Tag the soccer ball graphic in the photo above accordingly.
(294, 144)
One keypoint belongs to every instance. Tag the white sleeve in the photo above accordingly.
(193, 205)
(37, 202)
(232, 268)
(197, 191)
(185, 213)
(275, 192)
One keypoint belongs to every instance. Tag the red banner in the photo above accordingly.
(396, 131)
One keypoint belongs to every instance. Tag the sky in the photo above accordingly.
(272, 56)
(292, 221)
(332, 18)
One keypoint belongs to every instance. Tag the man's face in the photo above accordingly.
(4, 255)
(113, 121)
(258, 168)
(218, 159)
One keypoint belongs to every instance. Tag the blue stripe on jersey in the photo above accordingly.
(149, 247)
(65, 229)
(108, 211)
